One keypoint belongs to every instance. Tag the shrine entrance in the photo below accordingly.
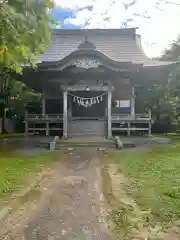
(88, 105)
(87, 112)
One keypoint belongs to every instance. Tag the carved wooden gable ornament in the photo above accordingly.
(86, 63)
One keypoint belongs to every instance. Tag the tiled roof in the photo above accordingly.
(121, 45)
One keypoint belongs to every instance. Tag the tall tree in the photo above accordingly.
(163, 104)
(24, 34)
(24, 31)
(173, 52)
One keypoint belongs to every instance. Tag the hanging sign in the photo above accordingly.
(124, 103)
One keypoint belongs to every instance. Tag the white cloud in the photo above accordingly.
(73, 4)
(157, 32)
(106, 15)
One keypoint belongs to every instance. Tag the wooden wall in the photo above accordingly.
(122, 91)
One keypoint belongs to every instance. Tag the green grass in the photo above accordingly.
(7, 135)
(154, 181)
(14, 171)
(173, 136)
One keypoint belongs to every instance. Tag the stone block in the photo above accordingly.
(118, 142)
(52, 146)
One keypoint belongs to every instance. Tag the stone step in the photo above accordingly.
(59, 147)
(87, 128)
(76, 135)
(75, 145)
(84, 142)
(95, 142)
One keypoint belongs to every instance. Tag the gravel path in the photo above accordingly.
(70, 207)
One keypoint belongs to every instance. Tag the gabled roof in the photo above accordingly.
(120, 45)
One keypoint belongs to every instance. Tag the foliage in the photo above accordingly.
(20, 95)
(165, 100)
(24, 34)
(159, 99)
(163, 104)
(15, 95)
(24, 31)
(173, 52)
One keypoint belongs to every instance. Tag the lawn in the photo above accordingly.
(15, 170)
(175, 138)
(9, 135)
(153, 181)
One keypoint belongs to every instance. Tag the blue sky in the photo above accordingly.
(156, 21)
(62, 14)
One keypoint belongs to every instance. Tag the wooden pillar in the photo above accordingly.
(133, 102)
(128, 129)
(44, 115)
(70, 108)
(26, 123)
(149, 125)
(43, 106)
(47, 128)
(109, 114)
(65, 117)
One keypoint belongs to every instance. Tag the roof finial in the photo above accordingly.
(86, 44)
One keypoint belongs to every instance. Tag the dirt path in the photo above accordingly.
(70, 205)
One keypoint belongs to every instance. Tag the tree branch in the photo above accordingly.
(177, 4)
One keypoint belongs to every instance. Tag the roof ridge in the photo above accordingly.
(117, 31)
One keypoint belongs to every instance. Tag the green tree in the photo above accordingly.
(24, 34)
(24, 31)
(173, 54)
(163, 104)
(19, 97)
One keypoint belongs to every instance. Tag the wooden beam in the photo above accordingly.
(131, 129)
(83, 88)
(65, 117)
(54, 97)
(109, 114)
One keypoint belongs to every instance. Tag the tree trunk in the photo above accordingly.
(3, 115)
(5, 86)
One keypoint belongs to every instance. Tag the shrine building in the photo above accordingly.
(94, 82)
